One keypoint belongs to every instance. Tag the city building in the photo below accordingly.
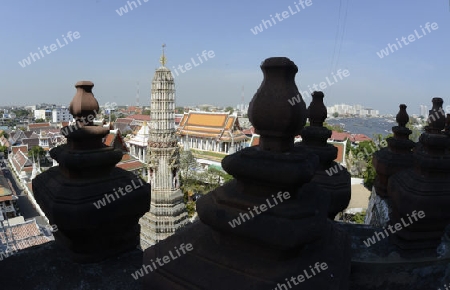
(61, 114)
(217, 132)
(353, 110)
(44, 114)
(424, 111)
(138, 144)
(167, 209)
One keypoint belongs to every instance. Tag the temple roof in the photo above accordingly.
(222, 126)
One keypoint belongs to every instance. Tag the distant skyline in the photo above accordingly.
(395, 52)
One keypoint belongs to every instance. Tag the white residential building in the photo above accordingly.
(61, 115)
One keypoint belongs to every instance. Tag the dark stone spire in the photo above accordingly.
(273, 241)
(426, 187)
(397, 156)
(69, 194)
(314, 140)
(281, 121)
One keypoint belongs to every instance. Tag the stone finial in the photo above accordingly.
(81, 195)
(317, 112)
(402, 117)
(436, 118)
(84, 106)
(277, 110)
(415, 188)
(314, 140)
(396, 157)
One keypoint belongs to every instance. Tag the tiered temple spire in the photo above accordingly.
(167, 210)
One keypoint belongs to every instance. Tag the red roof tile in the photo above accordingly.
(132, 165)
(140, 117)
(38, 125)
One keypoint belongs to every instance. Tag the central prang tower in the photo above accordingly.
(167, 210)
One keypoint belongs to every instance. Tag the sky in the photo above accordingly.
(98, 41)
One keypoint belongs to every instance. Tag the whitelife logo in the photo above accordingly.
(123, 10)
(36, 56)
(187, 66)
(322, 85)
(398, 226)
(263, 207)
(104, 201)
(411, 38)
(284, 14)
(161, 262)
(308, 274)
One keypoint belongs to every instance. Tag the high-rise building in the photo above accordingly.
(424, 111)
(167, 209)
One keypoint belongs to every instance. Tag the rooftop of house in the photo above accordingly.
(139, 117)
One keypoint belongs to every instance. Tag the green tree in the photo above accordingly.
(37, 152)
(146, 112)
(179, 110)
(190, 207)
(229, 109)
(335, 114)
(336, 128)
(415, 132)
(21, 113)
(4, 149)
(3, 133)
(112, 118)
(188, 164)
(40, 120)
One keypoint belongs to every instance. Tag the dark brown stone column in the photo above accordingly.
(397, 156)
(426, 187)
(314, 140)
(69, 193)
(283, 231)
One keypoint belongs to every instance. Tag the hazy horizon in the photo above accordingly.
(89, 40)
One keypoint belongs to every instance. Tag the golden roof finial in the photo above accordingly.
(163, 59)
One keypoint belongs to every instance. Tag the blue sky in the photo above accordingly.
(117, 51)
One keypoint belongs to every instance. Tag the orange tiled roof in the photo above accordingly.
(109, 139)
(255, 141)
(23, 148)
(38, 125)
(132, 165)
(140, 117)
(124, 120)
(211, 125)
(6, 198)
(126, 157)
(340, 154)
